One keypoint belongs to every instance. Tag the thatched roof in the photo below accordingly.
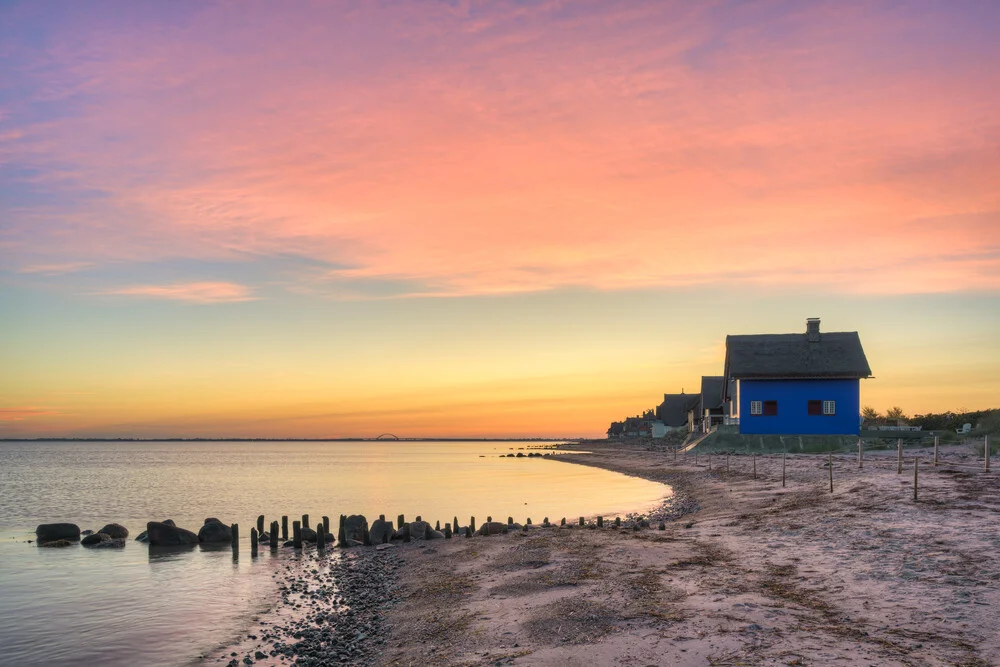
(673, 411)
(712, 387)
(829, 355)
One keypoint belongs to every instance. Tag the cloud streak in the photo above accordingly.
(199, 293)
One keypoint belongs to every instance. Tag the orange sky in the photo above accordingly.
(252, 219)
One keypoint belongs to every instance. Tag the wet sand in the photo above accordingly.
(758, 574)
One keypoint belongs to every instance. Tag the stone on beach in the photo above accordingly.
(418, 529)
(50, 532)
(164, 534)
(308, 534)
(381, 531)
(355, 528)
(215, 531)
(492, 528)
(115, 531)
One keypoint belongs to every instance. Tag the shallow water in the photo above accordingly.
(142, 605)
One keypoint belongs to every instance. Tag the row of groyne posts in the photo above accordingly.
(935, 461)
(354, 531)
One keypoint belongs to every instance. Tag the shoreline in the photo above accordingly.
(743, 571)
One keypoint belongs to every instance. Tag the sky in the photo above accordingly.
(322, 219)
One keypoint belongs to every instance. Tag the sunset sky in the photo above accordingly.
(319, 219)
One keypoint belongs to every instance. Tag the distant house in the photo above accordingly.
(711, 409)
(800, 383)
(616, 430)
(677, 411)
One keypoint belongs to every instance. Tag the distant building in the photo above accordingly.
(797, 384)
(677, 411)
(713, 396)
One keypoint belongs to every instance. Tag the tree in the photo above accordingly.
(895, 412)
(869, 413)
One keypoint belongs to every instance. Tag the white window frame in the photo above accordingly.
(756, 408)
(829, 408)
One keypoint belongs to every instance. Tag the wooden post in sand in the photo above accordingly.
(326, 523)
(320, 538)
(342, 531)
(297, 534)
(236, 537)
(915, 462)
(400, 520)
(447, 531)
(581, 521)
(260, 524)
(253, 542)
(937, 441)
(710, 460)
(563, 522)
(727, 461)
(600, 522)
(830, 463)
(284, 528)
(274, 536)
(782, 470)
(899, 456)
(472, 523)
(861, 456)
(754, 466)
(305, 520)
(986, 451)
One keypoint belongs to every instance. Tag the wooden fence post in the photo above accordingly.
(305, 520)
(937, 441)
(326, 523)
(915, 462)
(986, 451)
(297, 534)
(782, 469)
(284, 528)
(236, 537)
(754, 466)
(861, 455)
(253, 542)
(899, 456)
(830, 463)
(320, 537)
(274, 536)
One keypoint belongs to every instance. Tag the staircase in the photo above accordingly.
(688, 446)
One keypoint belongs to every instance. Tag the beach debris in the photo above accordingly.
(50, 532)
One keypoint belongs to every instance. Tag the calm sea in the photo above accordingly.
(142, 605)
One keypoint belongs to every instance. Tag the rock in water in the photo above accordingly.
(95, 538)
(381, 531)
(142, 537)
(55, 543)
(50, 532)
(215, 531)
(115, 531)
(163, 534)
(355, 527)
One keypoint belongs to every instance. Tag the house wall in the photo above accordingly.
(793, 416)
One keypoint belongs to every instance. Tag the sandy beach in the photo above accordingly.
(758, 574)
(732, 570)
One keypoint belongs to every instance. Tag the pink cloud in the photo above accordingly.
(19, 414)
(205, 292)
(514, 149)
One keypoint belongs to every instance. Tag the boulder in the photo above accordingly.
(50, 532)
(492, 528)
(418, 529)
(215, 531)
(436, 535)
(164, 534)
(87, 532)
(308, 534)
(381, 531)
(95, 538)
(142, 537)
(115, 531)
(355, 528)
(264, 538)
(170, 522)
(402, 533)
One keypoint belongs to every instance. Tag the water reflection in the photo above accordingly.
(165, 553)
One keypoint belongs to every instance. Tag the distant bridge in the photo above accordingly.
(387, 436)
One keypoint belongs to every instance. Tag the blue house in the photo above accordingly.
(796, 384)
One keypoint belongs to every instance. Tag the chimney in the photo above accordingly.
(812, 329)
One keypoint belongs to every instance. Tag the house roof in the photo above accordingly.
(830, 355)
(673, 411)
(712, 387)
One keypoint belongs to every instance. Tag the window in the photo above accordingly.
(822, 408)
(815, 408)
(770, 408)
(829, 407)
(755, 408)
